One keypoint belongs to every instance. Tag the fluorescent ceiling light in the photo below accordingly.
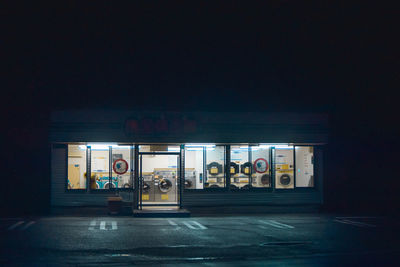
(283, 146)
(198, 145)
(194, 149)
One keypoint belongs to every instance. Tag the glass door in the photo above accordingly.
(159, 179)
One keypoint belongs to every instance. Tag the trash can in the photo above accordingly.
(114, 205)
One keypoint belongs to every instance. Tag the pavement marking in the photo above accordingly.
(12, 227)
(92, 225)
(360, 224)
(282, 224)
(103, 225)
(199, 226)
(26, 226)
(177, 227)
(276, 224)
(172, 223)
(357, 217)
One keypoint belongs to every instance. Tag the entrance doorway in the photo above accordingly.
(159, 180)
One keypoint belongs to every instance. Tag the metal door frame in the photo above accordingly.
(140, 180)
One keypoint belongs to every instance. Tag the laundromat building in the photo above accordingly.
(187, 160)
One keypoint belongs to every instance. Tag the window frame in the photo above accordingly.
(227, 160)
(72, 190)
(208, 189)
(88, 155)
(315, 187)
(264, 189)
(294, 172)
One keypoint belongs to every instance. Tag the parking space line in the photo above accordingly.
(103, 225)
(191, 225)
(360, 224)
(263, 227)
(200, 225)
(276, 224)
(27, 225)
(114, 225)
(172, 223)
(282, 224)
(357, 217)
(92, 225)
(15, 225)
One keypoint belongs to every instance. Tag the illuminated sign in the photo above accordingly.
(159, 126)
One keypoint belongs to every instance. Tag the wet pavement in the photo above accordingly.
(278, 239)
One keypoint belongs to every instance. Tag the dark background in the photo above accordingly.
(337, 57)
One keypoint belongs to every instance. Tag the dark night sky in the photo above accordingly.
(339, 57)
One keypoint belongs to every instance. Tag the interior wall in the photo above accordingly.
(194, 159)
(77, 156)
(158, 161)
(304, 166)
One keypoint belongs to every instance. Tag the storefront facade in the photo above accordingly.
(187, 160)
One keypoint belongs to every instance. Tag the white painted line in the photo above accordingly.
(114, 225)
(276, 224)
(172, 223)
(271, 224)
(27, 225)
(200, 225)
(92, 225)
(103, 225)
(360, 224)
(282, 224)
(359, 217)
(15, 225)
(189, 225)
(194, 225)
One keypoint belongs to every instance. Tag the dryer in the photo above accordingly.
(165, 185)
(261, 180)
(284, 179)
(148, 187)
(215, 176)
(190, 178)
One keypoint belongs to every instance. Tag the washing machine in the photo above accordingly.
(148, 191)
(104, 183)
(284, 179)
(190, 178)
(261, 180)
(215, 176)
(165, 185)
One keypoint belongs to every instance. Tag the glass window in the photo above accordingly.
(215, 166)
(304, 166)
(194, 176)
(261, 168)
(284, 168)
(240, 167)
(160, 179)
(121, 166)
(76, 167)
(100, 168)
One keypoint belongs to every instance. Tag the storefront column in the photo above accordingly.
(136, 178)
(181, 175)
(227, 166)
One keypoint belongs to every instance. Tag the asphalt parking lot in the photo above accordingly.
(279, 239)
